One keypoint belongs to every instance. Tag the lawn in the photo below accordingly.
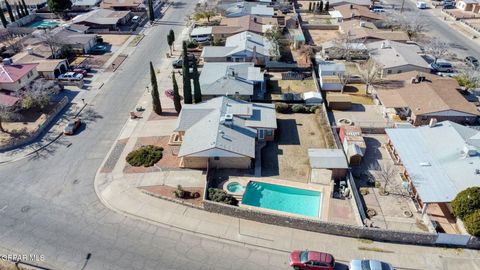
(358, 94)
(291, 86)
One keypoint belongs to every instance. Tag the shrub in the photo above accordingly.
(179, 192)
(472, 223)
(146, 155)
(298, 108)
(313, 109)
(192, 44)
(219, 195)
(466, 202)
(282, 108)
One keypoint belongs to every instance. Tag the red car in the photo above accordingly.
(311, 260)
(81, 71)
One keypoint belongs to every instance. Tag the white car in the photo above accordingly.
(421, 5)
(369, 265)
(71, 76)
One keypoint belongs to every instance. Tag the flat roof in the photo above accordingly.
(323, 158)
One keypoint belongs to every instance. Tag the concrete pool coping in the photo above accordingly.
(323, 189)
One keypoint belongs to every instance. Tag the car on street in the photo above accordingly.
(377, 9)
(311, 260)
(449, 6)
(70, 76)
(80, 71)
(98, 49)
(441, 66)
(472, 61)
(369, 265)
(421, 5)
(179, 62)
(71, 126)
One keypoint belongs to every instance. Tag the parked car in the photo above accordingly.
(472, 61)
(441, 66)
(377, 9)
(71, 126)
(98, 49)
(310, 260)
(421, 5)
(201, 38)
(70, 76)
(449, 6)
(179, 62)
(369, 265)
(80, 71)
(135, 18)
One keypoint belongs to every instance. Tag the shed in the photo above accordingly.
(331, 159)
(339, 101)
(312, 98)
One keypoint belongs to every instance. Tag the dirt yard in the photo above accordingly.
(278, 86)
(287, 156)
(321, 36)
(115, 40)
(358, 94)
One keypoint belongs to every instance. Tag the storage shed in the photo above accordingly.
(312, 98)
(331, 159)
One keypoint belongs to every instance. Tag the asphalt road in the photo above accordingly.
(48, 205)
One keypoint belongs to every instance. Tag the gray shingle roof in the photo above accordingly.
(101, 16)
(396, 54)
(322, 158)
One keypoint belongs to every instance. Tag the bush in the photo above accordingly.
(282, 108)
(192, 44)
(298, 108)
(179, 192)
(313, 109)
(219, 195)
(472, 223)
(146, 155)
(466, 202)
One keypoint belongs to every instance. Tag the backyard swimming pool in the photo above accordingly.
(43, 24)
(283, 198)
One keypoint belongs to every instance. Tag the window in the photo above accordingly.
(216, 158)
(389, 71)
(400, 71)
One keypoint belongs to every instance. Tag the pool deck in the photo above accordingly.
(325, 191)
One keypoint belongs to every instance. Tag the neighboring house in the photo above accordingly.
(337, 50)
(14, 77)
(246, 8)
(8, 100)
(85, 4)
(103, 19)
(329, 73)
(132, 5)
(243, 47)
(223, 132)
(236, 25)
(240, 80)
(367, 32)
(33, 3)
(469, 5)
(77, 42)
(395, 57)
(422, 97)
(351, 11)
(312, 98)
(353, 144)
(51, 68)
(438, 161)
(336, 3)
(329, 159)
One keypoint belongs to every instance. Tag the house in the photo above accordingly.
(312, 98)
(14, 77)
(469, 5)
(422, 97)
(329, 159)
(246, 8)
(85, 4)
(241, 80)
(353, 144)
(77, 42)
(367, 32)
(357, 12)
(52, 68)
(395, 57)
(243, 47)
(236, 25)
(7, 100)
(337, 50)
(336, 3)
(103, 19)
(223, 132)
(35, 4)
(329, 73)
(132, 5)
(438, 161)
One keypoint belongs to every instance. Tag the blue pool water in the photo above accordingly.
(43, 24)
(235, 187)
(282, 198)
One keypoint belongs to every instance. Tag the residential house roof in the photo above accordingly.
(7, 100)
(334, 3)
(352, 45)
(245, 41)
(395, 54)
(441, 161)
(37, 53)
(252, 23)
(207, 127)
(14, 72)
(322, 158)
(350, 11)
(203, 30)
(327, 67)
(85, 3)
(34, 2)
(229, 78)
(101, 16)
(246, 8)
(367, 30)
(49, 65)
(435, 94)
(121, 3)
(262, 10)
(66, 36)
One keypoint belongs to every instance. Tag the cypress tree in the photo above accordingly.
(2, 18)
(187, 86)
(327, 6)
(157, 106)
(314, 6)
(25, 8)
(19, 13)
(320, 8)
(176, 95)
(197, 92)
(310, 6)
(151, 13)
(10, 12)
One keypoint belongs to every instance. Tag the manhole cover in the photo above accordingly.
(25, 209)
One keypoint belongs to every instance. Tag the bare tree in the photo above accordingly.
(53, 43)
(347, 45)
(11, 41)
(469, 78)
(436, 48)
(7, 113)
(274, 34)
(386, 172)
(38, 93)
(413, 23)
(343, 78)
(370, 73)
(308, 52)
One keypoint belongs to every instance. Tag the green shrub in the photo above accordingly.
(472, 223)
(466, 202)
(298, 108)
(146, 155)
(313, 109)
(219, 195)
(282, 108)
(192, 44)
(179, 192)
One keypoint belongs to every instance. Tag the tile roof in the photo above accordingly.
(7, 100)
(14, 72)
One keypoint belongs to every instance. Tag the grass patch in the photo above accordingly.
(375, 249)
(146, 156)
(365, 241)
(136, 40)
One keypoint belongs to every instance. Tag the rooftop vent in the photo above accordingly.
(469, 150)
(433, 122)
(425, 164)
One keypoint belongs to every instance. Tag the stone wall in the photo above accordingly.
(330, 228)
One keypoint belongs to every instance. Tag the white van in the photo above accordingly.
(421, 5)
(135, 18)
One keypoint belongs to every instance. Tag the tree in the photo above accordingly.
(19, 11)
(187, 86)
(308, 52)
(274, 34)
(25, 8)
(176, 95)
(204, 14)
(157, 106)
(320, 7)
(310, 6)
(314, 6)
(472, 223)
(10, 12)
(437, 48)
(466, 202)
(59, 6)
(4, 21)
(49, 39)
(197, 92)
(370, 73)
(38, 94)
(469, 78)
(7, 113)
(170, 40)
(151, 12)
(386, 173)
(346, 46)
(413, 23)
(327, 6)
(343, 78)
